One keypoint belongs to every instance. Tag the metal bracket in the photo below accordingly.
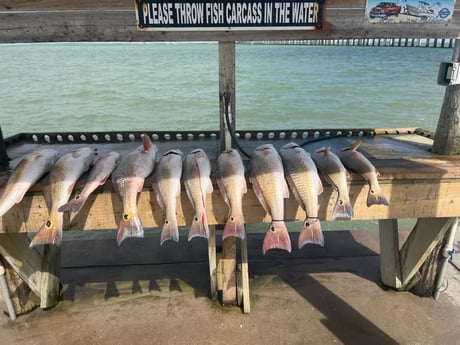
(449, 73)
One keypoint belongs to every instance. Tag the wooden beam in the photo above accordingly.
(228, 259)
(50, 282)
(212, 259)
(245, 277)
(426, 233)
(226, 91)
(27, 262)
(390, 265)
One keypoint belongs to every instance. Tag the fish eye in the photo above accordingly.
(125, 216)
(341, 202)
(77, 197)
(166, 222)
(372, 191)
(48, 223)
(196, 219)
(272, 228)
(232, 218)
(307, 224)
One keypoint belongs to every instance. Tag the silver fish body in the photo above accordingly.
(357, 162)
(303, 178)
(335, 173)
(97, 176)
(128, 179)
(197, 181)
(167, 188)
(270, 187)
(28, 171)
(62, 178)
(232, 185)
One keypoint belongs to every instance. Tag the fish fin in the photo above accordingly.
(146, 142)
(73, 205)
(21, 194)
(258, 192)
(130, 226)
(234, 227)
(199, 227)
(376, 198)
(170, 231)
(355, 145)
(277, 237)
(139, 185)
(156, 192)
(209, 187)
(311, 233)
(223, 191)
(342, 210)
(295, 192)
(320, 185)
(49, 233)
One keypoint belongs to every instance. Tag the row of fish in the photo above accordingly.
(269, 172)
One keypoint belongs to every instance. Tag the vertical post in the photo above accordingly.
(3, 156)
(447, 136)
(226, 91)
(390, 265)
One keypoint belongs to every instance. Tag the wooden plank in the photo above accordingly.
(226, 92)
(27, 262)
(423, 238)
(104, 21)
(212, 259)
(390, 265)
(245, 276)
(229, 271)
(50, 282)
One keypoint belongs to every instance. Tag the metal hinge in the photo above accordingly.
(448, 73)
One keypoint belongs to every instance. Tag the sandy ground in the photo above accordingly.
(314, 296)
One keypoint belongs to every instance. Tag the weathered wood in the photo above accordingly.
(212, 259)
(447, 138)
(50, 282)
(425, 235)
(245, 276)
(229, 271)
(227, 94)
(27, 262)
(390, 265)
(106, 20)
(22, 297)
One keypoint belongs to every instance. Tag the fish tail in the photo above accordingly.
(277, 237)
(170, 231)
(311, 233)
(49, 233)
(376, 198)
(199, 227)
(73, 205)
(130, 226)
(234, 228)
(342, 210)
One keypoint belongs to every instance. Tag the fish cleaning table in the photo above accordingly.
(417, 183)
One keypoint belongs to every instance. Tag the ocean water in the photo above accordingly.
(174, 86)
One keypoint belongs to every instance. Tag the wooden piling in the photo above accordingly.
(447, 136)
(3, 156)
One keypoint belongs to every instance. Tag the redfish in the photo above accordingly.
(197, 181)
(128, 179)
(335, 173)
(97, 176)
(357, 162)
(28, 171)
(302, 177)
(62, 178)
(270, 187)
(167, 187)
(232, 185)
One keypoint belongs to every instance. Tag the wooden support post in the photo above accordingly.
(447, 136)
(423, 238)
(390, 266)
(50, 282)
(229, 271)
(244, 286)
(212, 258)
(226, 91)
(3, 156)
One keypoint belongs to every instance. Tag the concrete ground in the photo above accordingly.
(329, 295)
